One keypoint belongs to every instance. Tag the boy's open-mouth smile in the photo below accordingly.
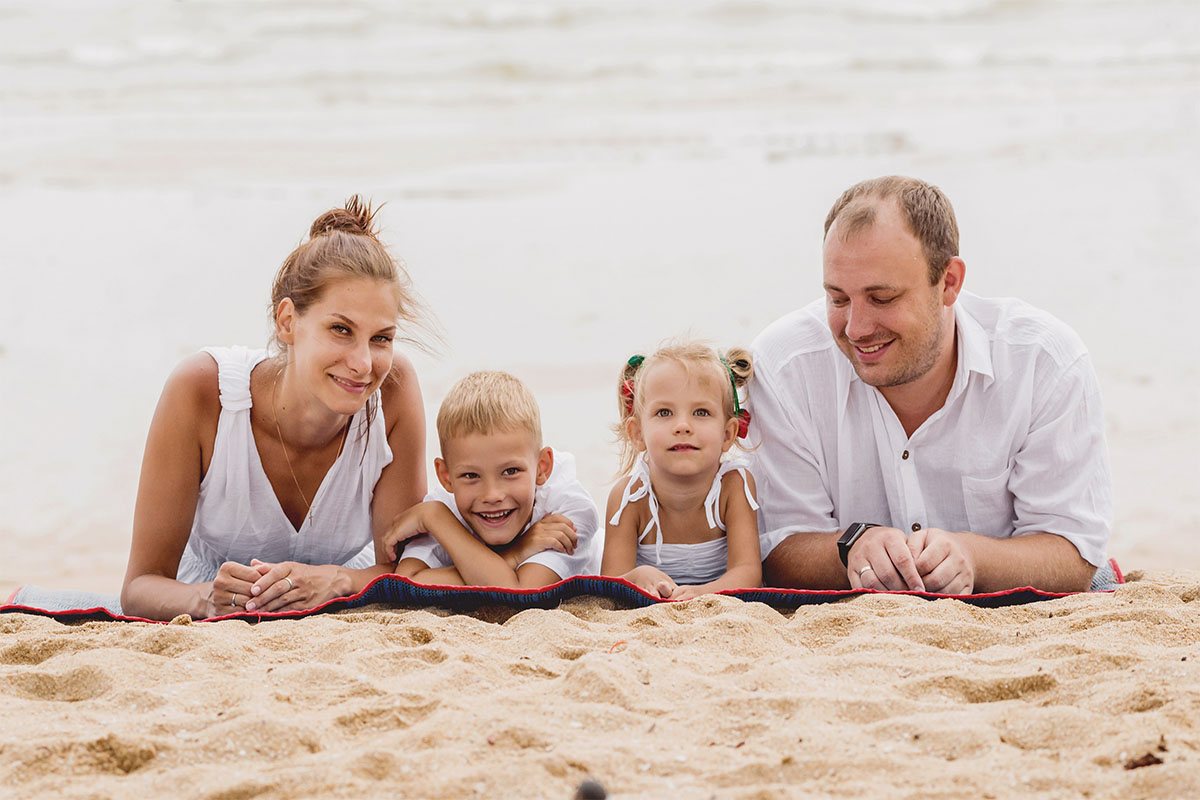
(495, 517)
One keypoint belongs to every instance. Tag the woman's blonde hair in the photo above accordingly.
(732, 370)
(344, 243)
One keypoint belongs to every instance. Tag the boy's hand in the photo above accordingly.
(651, 580)
(551, 532)
(404, 527)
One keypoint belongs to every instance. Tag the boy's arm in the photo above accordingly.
(744, 564)
(477, 563)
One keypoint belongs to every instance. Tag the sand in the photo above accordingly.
(876, 695)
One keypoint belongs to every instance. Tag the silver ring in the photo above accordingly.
(233, 601)
(867, 568)
(290, 584)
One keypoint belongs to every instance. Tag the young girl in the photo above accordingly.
(683, 522)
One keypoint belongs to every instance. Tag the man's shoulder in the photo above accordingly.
(1012, 324)
(799, 333)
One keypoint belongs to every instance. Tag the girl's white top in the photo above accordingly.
(238, 516)
(562, 493)
(685, 563)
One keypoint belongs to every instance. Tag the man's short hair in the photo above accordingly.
(488, 402)
(925, 209)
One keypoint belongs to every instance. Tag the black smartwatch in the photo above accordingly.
(852, 535)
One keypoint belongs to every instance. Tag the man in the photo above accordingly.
(966, 434)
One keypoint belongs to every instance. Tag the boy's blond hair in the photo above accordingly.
(488, 402)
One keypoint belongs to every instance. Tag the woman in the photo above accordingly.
(266, 480)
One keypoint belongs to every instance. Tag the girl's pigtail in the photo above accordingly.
(740, 364)
(626, 405)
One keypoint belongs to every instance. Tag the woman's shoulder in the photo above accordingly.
(399, 388)
(195, 380)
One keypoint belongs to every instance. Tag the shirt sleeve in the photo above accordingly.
(564, 494)
(1061, 481)
(786, 459)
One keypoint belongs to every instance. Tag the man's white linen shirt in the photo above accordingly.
(1018, 447)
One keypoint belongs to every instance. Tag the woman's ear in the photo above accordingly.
(285, 321)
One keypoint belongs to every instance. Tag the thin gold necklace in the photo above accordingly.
(275, 413)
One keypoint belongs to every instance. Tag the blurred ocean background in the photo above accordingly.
(568, 183)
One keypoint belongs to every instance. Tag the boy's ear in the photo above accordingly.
(443, 474)
(545, 465)
(285, 321)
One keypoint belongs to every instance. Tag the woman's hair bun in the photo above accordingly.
(357, 217)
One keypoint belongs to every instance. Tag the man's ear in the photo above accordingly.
(952, 280)
(443, 474)
(545, 465)
(285, 321)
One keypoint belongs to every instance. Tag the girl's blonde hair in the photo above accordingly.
(733, 370)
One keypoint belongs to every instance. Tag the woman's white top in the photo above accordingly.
(238, 516)
(562, 493)
(685, 563)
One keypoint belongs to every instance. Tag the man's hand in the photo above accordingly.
(651, 580)
(881, 559)
(551, 532)
(944, 562)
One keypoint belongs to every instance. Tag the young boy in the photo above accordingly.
(509, 512)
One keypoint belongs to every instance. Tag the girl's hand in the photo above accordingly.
(652, 580)
(290, 586)
(687, 592)
(232, 589)
(551, 532)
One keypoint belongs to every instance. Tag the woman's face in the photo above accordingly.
(341, 346)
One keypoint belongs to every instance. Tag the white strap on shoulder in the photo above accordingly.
(640, 478)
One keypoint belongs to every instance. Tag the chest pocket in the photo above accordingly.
(989, 505)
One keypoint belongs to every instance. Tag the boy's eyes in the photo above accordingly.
(469, 476)
(512, 471)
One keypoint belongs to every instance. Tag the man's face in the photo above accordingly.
(883, 313)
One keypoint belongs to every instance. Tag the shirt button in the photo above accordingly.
(916, 527)
(904, 455)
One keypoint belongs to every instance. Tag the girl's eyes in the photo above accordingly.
(702, 412)
(663, 412)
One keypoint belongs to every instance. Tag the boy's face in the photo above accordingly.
(492, 477)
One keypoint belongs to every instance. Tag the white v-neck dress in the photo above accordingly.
(238, 516)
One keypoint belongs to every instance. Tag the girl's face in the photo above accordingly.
(341, 346)
(682, 425)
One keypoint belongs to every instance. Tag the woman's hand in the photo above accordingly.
(290, 586)
(651, 580)
(232, 589)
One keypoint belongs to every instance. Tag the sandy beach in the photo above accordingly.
(881, 695)
(570, 183)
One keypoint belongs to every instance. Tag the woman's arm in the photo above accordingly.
(744, 563)
(289, 586)
(180, 440)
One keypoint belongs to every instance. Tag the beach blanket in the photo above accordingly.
(393, 590)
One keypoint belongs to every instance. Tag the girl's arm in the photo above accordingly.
(620, 548)
(744, 563)
(183, 428)
(401, 485)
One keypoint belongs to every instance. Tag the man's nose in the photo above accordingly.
(859, 322)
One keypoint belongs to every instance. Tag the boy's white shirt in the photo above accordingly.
(562, 493)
